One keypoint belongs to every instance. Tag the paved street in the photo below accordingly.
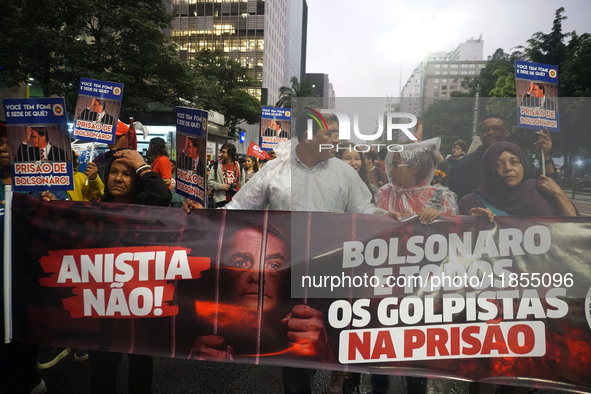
(582, 202)
(173, 376)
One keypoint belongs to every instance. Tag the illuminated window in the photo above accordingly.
(221, 29)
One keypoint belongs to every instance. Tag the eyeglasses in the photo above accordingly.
(400, 165)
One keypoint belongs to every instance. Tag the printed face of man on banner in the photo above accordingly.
(34, 143)
(243, 259)
(97, 105)
(36, 136)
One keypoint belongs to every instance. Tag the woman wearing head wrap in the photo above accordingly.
(505, 191)
(129, 181)
(409, 192)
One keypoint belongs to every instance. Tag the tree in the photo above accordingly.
(297, 89)
(451, 120)
(573, 61)
(220, 84)
(575, 76)
(57, 42)
(499, 65)
(549, 48)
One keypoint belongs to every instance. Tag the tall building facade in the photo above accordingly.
(268, 37)
(321, 84)
(440, 74)
(412, 92)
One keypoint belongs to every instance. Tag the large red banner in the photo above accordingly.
(457, 298)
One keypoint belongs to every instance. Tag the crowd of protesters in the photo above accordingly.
(496, 179)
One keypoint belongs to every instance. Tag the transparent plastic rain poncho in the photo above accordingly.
(420, 157)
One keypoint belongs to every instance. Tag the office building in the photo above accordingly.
(440, 74)
(268, 37)
(324, 89)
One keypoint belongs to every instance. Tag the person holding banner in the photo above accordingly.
(18, 359)
(88, 186)
(125, 138)
(306, 178)
(410, 191)
(507, 191)
(130, 181)
(468, 173)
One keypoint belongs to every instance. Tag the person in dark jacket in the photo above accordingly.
(443, 171)
(508, 192)
(130, 180)
(468, 173)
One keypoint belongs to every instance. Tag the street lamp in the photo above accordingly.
(577, 163)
